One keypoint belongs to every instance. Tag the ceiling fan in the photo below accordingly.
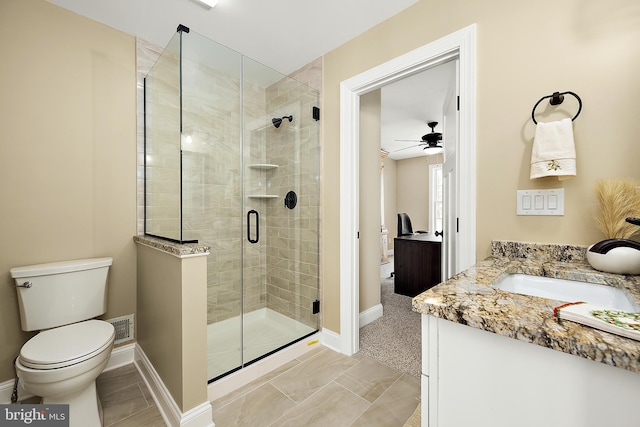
(430, 141)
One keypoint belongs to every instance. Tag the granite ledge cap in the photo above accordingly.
(180, 250)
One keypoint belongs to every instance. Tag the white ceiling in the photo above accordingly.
(286, 35)
(282, 34)
(409, 104)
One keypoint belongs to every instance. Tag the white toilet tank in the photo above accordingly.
(60, 293)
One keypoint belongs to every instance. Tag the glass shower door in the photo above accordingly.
(212, 187)
(280, 150)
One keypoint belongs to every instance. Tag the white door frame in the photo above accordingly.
(462, 43)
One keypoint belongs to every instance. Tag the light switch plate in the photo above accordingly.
(541, 202)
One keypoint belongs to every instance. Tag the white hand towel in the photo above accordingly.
(554, 151)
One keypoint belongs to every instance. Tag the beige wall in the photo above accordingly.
(172, 321)
(406, 186)
(369, 200)
(390, 203)
(413, 191)
(68, 163)
(524, 51)
(160, 315)
(194, 332)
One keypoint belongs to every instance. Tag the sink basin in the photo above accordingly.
(566, 290)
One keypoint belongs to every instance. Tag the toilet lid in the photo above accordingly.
(67, 345)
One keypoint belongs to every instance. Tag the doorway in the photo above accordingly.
(460, 44)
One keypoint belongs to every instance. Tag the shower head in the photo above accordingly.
(277, 121)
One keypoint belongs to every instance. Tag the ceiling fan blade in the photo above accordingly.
(406, 148)
(409, 140)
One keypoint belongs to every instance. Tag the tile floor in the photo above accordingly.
(125, 399)
(321, 388)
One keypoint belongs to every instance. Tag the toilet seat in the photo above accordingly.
(67, 345)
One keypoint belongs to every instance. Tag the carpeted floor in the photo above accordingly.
(394, 339)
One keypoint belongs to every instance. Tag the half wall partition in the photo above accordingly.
(232, 161)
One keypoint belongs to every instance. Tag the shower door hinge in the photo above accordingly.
(458, 106)
(316, 113)
(316, 307)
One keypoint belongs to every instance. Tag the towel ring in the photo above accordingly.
(556, 99)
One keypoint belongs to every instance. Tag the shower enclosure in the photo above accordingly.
(232, 161)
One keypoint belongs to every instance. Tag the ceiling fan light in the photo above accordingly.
(432, 150)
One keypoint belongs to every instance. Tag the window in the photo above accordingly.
(435, 197)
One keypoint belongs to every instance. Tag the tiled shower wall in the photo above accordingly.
(281, 271)
(292, 255)
(146, 55)
(212, 181)
(162, 154)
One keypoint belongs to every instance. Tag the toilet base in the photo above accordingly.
(85, 409)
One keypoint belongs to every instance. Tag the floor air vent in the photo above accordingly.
(124, 328)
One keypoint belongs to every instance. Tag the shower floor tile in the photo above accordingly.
(265, 330)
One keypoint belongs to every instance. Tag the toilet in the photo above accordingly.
(61, 363)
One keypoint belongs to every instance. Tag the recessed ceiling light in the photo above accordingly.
(208, 3)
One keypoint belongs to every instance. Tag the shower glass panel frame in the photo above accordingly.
(218, 171)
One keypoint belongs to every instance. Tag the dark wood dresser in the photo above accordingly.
(417, 263)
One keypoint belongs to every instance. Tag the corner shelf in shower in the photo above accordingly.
(262, 196)
(263, 166)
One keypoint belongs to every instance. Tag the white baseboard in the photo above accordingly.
(200, 416)
(370, 315)
(120, 356)
(331, 340)
(6, 389)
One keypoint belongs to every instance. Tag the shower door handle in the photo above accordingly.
(249, 226)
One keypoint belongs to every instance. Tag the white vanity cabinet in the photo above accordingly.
(473, 377)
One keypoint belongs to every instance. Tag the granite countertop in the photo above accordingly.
(468, 298)
(180, 250)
